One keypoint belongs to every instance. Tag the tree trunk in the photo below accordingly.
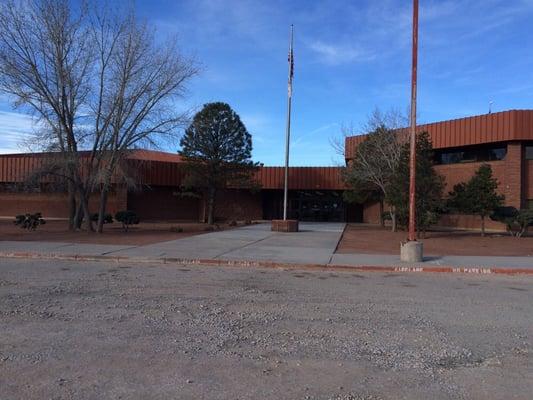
(381, 211)
(71, 208)
(482, 225)
(211, 192)
(393, 219)
(84, 204)
(78, 218)
(101, 210)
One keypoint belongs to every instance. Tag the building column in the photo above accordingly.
(514, 175)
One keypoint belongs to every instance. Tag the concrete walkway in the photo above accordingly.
(314, 245)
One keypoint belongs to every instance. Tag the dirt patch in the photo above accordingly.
(376, 240)
(144, 233)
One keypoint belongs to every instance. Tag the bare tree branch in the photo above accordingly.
(95, 79)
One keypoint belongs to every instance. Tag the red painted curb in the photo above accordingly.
(273, 264)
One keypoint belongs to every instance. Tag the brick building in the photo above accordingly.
(315, 192)
(504, 140)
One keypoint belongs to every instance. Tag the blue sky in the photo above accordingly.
(350, 57)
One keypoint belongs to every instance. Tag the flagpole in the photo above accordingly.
(288, 131)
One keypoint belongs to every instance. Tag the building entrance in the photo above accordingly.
(305, 205)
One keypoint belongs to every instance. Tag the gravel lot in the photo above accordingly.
(114, 331)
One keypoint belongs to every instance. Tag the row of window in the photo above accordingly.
(477, 154)
(470, 154)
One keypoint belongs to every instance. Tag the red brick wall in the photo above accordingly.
(528, 180)
(238, 205)
(511, 175)
(457, 173)
(51, 205)
(469, 222)
(371, 213)
(504, 171)
(162, 203)
(514, 175)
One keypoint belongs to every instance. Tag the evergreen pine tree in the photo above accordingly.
(480, 196)
(429, 186)
(217, 149)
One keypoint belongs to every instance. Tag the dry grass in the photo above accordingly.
(144, 233)
(377, 240)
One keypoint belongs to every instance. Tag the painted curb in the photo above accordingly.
(272, 264)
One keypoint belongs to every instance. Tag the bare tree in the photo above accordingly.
(45, 61)
(97, 81)
(376, 160)
(138, 82)
(393, 119)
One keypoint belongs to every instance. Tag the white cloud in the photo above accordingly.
(261, 127)
(255, 121)
(334, 54)
(299, 139)
(15, 128)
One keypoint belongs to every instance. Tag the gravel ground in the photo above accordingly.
(114, 331)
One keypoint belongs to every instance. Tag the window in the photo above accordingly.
(529, 152)
(471, 154)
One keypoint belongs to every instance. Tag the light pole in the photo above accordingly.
(412, 136)
(412, 250)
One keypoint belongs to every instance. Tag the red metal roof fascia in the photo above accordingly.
(302, 178)
(480, 129)
(154, 155)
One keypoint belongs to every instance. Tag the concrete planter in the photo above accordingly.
(280, 225)
(411, 251)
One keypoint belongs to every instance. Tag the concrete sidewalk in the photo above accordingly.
(315, 243)
(433, 261)
(313, 246)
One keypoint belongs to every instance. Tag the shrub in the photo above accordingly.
(29, 221)
(478, 196)
(108, 218)
(386, 216)
(178, 229)
(214, 227)
(247, 222)
(516, 221)
(232, 223)
(127, 218)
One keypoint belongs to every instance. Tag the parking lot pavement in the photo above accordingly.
(95, 330)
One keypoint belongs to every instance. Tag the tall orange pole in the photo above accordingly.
(412, 160)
